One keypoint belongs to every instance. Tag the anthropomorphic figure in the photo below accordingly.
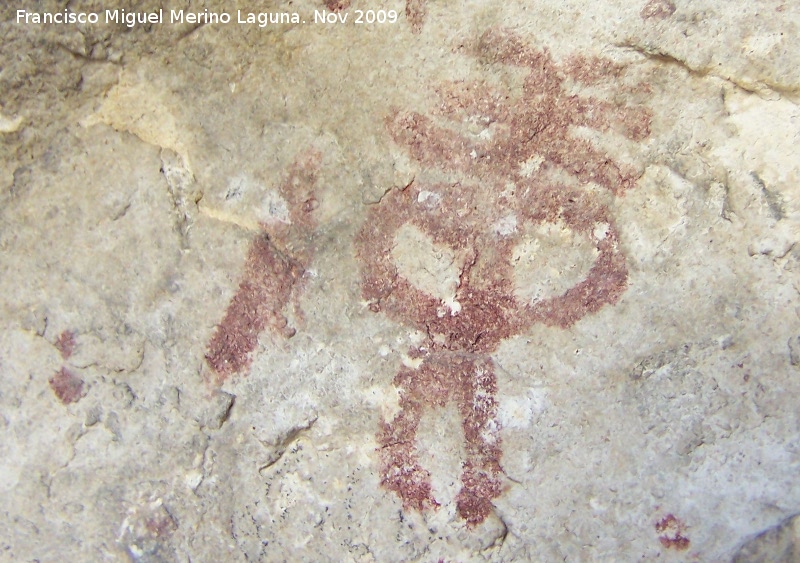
(276, 260)
(518, 178)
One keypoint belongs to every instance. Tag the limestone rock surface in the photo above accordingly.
(459, 281)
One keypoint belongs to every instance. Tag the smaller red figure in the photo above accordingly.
(275, 264)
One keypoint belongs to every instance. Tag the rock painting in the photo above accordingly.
(67, 386)
(657, 9)
(416, 10)
(337, 5)
(672, 533)
(520, 233)
(275, 263)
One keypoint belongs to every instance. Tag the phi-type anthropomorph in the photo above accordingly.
(520, 187)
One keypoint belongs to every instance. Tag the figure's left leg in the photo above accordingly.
(481, 476)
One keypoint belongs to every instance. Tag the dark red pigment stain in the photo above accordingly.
(455, 364)
(657, 9)
(66, 344)
(337, 5)
(275, 264)
(67, 386)
(672, 530)
(147, 530)
(160, 525)
(415, 14)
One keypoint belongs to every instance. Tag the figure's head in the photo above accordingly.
(508, 224)
(471, 265)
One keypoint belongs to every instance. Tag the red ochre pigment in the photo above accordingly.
(67, 386)
(672, 530)
(270, 277)
(337, 5)
(415, 14)
(657, 9)
(65, 344)
(455, 364)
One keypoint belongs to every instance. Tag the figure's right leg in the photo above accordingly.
(400, 470)
(266, 288)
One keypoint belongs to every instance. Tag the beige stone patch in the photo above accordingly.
(549, 261)
(9, 125)
(386, 399)
(440, 442)
(430, 267)
(273, 209)
(769, 132)
(520, 412)
(243, 221)
(505, 225)
(651, 218)
(142, 109)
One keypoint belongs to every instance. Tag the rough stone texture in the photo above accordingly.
(781, 543)
(505, 281)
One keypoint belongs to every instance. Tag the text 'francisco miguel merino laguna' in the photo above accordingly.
(131, 19)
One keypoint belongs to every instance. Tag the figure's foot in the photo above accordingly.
(410, 481)
(400, 470)
(474, 501)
